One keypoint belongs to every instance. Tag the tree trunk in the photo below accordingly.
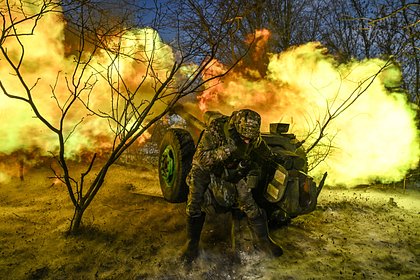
(76, 220)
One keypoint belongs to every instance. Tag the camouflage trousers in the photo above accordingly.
(198, 181)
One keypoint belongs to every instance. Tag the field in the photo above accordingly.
(369, 232)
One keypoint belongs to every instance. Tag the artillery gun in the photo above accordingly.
(284, 191)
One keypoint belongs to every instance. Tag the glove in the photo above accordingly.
(223, 152)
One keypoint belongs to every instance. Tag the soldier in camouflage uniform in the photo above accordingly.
(226, 147)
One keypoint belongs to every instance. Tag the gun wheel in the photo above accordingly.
(175, 157)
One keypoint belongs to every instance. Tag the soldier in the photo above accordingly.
(227, 144)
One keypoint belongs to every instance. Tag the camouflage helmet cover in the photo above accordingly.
(247, 123)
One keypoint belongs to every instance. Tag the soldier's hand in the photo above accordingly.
(225, 151)
(230, 146)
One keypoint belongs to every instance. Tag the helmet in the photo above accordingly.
(247, 123)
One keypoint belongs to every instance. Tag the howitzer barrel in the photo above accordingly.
(196, 126)
(180, 110)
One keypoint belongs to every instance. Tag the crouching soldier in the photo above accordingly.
(226, 144)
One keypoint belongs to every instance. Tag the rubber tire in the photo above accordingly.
(181, 149)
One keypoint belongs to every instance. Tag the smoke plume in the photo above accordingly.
(375, 139)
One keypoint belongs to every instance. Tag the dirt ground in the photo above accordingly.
(370, 232)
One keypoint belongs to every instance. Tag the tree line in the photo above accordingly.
(355, 29)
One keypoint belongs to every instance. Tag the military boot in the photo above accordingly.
(260, 229)
(194, 227)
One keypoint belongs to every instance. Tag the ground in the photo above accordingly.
(369, 232)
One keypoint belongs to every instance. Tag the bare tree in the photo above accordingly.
(289, 23)
(130, 111)
(365, 29)
(401, 20)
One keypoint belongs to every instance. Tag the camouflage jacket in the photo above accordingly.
(221, 146)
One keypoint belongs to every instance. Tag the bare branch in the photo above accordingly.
(361, 88)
